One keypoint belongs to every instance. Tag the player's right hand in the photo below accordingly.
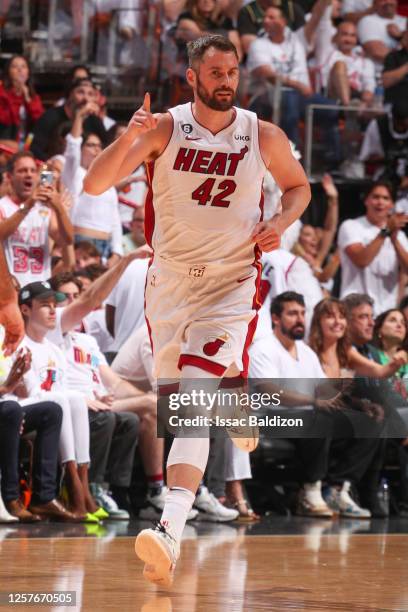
(143, 120)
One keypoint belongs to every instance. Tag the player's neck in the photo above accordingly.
(213, 120)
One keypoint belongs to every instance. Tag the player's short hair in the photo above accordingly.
(197, 48)
(280, 300)
(19, 155)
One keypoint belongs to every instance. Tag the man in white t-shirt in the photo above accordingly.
(31, 215)
(284, 355)
(373, 250)
(280, 56)
(381, 32)
(125, 305)
(347, 73)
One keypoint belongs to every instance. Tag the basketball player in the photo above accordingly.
(204, 221)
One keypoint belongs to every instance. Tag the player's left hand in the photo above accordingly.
(267, 235)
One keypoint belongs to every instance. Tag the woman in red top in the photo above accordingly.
(20, 106)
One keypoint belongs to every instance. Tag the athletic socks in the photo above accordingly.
(155, 483)
(178, 504)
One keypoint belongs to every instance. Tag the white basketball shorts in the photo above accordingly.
(201, 316)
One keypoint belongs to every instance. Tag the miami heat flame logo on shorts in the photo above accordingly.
(211, 348)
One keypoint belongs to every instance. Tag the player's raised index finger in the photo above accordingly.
(146, 102)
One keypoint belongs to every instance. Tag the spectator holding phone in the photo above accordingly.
(31, 215)
(373, 249)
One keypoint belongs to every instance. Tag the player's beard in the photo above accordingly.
(211, 101)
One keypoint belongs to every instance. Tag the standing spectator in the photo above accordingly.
(314, 243)
(380, 32)
(202, 17)
(20, 105)
(96, 218)
(136, 237)
(280, 56)
(80, 93)
(395, 75)
(251, 16)
(28, 218)
(354, 10)
(347, 74)
(373, 249)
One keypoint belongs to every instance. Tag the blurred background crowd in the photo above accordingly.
(78, 409)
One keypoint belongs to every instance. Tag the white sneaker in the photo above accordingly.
(105, 501)
(5, 516)
(311, 502)
(341, 501)
(159, 551)
(155, 506)
(213, 510)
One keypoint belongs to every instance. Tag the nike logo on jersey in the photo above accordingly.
(241, 280)
(208, 162)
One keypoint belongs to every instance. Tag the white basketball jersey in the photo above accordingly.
(27, 249)
(206, 192)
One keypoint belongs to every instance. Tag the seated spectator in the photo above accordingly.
(81, 93)
(314, 243)
(339, 359)
(86, 254)
(348, 75)
(251, 18)
(283, 354)
(389, 337)
(395, 75)
(95, 218)
(381, 31)
(31, 215)
(361, 327)
(385, 144)
(136, 237)
(20, 105)
(79, 71)
(47, 380)
(125, 305)
(45, 419)
(373, 249)
(350, 458)
(280, 56)
(204, 17)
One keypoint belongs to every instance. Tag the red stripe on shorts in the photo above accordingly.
(149, 209)
(201, 362)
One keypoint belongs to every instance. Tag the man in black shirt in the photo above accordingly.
(80, 93)
(395, 75)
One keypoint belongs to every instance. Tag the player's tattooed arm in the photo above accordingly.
(291, 180)
(147, 134)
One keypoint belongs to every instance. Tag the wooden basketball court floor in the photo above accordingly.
(279, 564)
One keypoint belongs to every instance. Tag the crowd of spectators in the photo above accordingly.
(334, 296)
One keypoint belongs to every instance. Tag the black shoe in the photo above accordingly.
(376, 508)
